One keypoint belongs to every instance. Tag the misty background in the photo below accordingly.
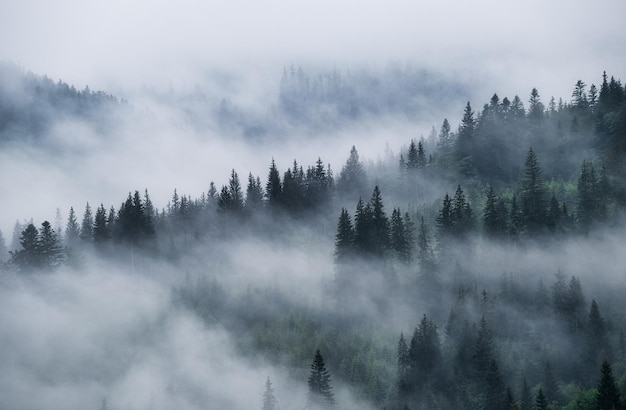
(102, 99)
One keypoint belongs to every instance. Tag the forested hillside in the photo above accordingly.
(471, 270)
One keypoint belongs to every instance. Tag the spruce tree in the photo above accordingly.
(532, 194)
(404, 370)
(101, 232)
(49, 247)
(352, 178)
(320, 393)
(269, 399)
(72, 230)
(273, 187)
(541, 402)
(344, 239)
(254, 194)
(608, 395)
(86, 227)
(379, 223)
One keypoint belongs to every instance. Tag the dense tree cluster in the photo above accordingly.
(514, 181)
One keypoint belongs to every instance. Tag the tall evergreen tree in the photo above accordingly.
(532, 194)
(352, 178)
(101, 232)
(597, 344)
(379, 223)
(86, 227)
(49, 247)
(541, 402)
(608, 395)
(273, 187)
(404, 371)
(254, 193)
(426, 256)
(320, 394)
(269, 399)
(72, 230)
(344, 239)
(425, 353)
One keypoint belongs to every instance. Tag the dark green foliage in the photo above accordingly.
(404, 370)
(231, 196)
(541, 402)
(254, 194)
(608, 395)
(133, 225)
(86, 227)
(532, 194)
(344, 239)
(424, 354)
(273, 187)
(320, 395)
(101, 233)
(401, 236)
(425, 255)
(41, 250)
(597, 346)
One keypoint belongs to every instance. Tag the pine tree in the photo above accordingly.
(86, 227)
(424, 352)
(320, 395)
(588, 196)
(608, 395)
(379, 223)
(412, 156)
(426, 256)
(254, 194)
(101, 232)
(72, 230)
(404, 370)
(536, 108)
(541, 402)
(445, 219)
(597, 345)
(269, 400)
(49, 247)
(344, 239)
(532, 194)
(400, 237)
(29, 257)
(465, 138)
(352, 178)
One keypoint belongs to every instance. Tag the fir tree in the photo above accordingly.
(404, 370)
(532, 194)
(273, 187)
(86, 227)
(608, 395)
(344, 239)
(352, 178)
(541, 402)
(320, 395)
(72, 230)
(269, 400)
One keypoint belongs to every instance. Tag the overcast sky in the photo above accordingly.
(121, 43)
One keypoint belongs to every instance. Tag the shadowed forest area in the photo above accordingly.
(477, 266)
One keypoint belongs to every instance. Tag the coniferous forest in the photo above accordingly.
(474, 268)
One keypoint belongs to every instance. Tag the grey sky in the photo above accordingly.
(120, 43)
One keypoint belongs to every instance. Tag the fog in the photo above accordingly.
(198, 92)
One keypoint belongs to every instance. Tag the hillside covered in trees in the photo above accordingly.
(477, 268)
